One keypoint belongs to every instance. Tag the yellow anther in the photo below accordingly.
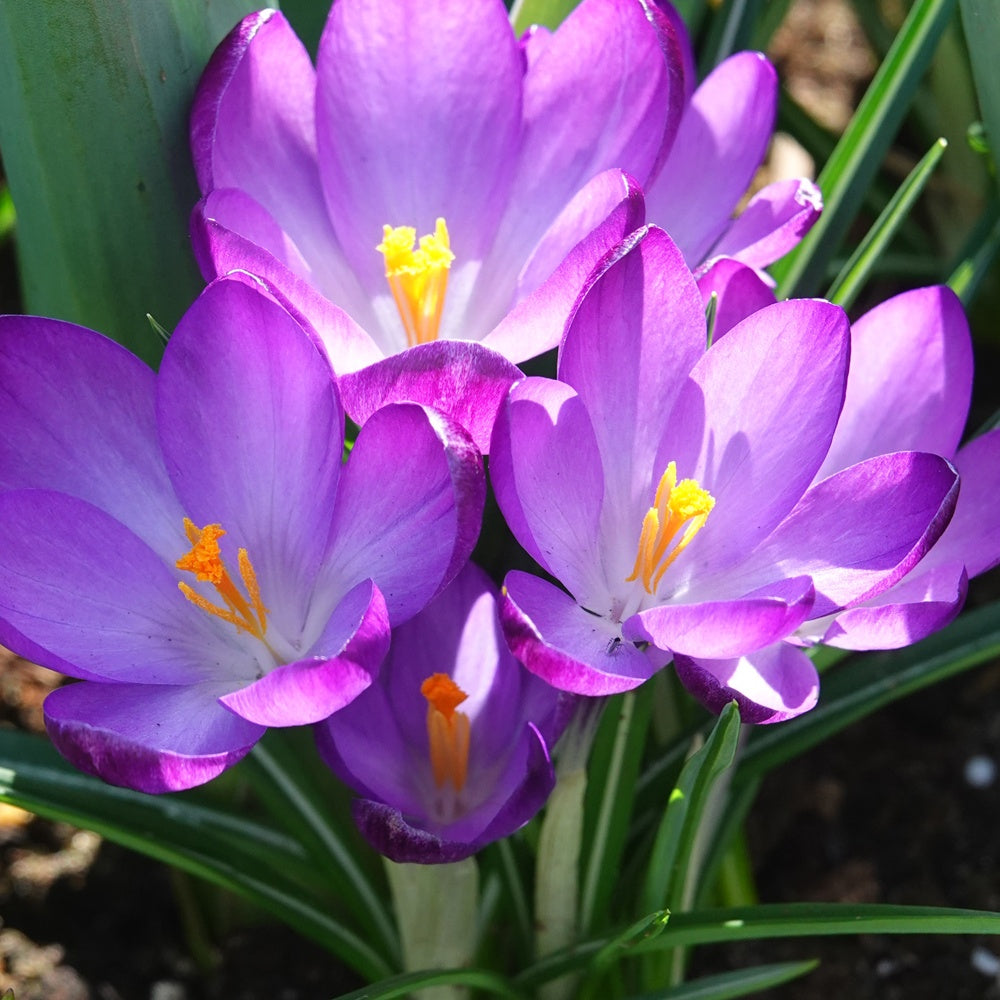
(248, 613)
(675, 504)
(447, 730)
(418, 277)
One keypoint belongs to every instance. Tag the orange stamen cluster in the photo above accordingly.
(418, 278)
(447, 730)
(675, 504)
(248, 613)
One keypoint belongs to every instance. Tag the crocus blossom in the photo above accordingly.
(461, 753)
(189, 545)
(429, 175)
(669, 489)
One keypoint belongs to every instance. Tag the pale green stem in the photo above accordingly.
(436, 909)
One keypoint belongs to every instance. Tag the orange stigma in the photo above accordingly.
(447, 730)
(675, 504)
(418, 278)
(248, 613)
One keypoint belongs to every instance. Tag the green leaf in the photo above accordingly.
(982, 35)
(673, 849)
(403, 985)
(550, 13)
(229, 850)
(738, 983)
(642, 930)
(787, 920)
(856, 271)
(866, 683)
(855, 161)
(95, 100)
(977, 256)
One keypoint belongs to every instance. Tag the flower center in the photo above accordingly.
(247, 613)
(447, 730)
(675, 504)
(418, 278)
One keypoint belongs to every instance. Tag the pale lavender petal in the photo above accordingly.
(409, 508)
(727, 628)
(536, 324)
(863, 529)
(721, 141)
(918, 605)
(341, 664)
(249, 418)
(82, 586)
(465, 381)
(635, 336)
(770, 685)
(418, 116)
(72, 402)
(773, 222)
(910, 379)
(546, 473)
(152, 738)
(571, 648)
(739, 290)
(754, 422)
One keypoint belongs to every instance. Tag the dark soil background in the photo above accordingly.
(884, 812)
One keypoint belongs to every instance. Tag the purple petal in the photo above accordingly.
(910, 379)
(409, 508)
(863, 529)
(148, 737)
(725, 629)
(465, 381)
(721, 141)
(72, 402)
(754, 421)
(536, 324)
(922, 603)
(740, 291)
(770, 685)
(82, 586)
(418, 116)
(546, 473)
(571, 648)
(774, 221)
(342, 664)
(250, 418)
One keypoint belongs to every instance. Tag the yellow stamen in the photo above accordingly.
(675, 504)
(418, 278)
(205, 561)
(447, 730)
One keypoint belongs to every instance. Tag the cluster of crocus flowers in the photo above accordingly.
(390, 234)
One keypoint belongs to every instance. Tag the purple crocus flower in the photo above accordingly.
(188, 543)
(463, 734)
(430, 174)
(669, 489)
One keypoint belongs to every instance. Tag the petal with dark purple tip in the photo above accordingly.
(151, 738)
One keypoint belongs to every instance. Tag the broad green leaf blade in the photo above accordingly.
(95, 100)
(673, 848)
(781, 920)
(861, 149)
(738, 983)
(982, 35)
(550, 13)
(404, 985)
(864, 684)
(857, 270)
(228, 850)
(612, 773)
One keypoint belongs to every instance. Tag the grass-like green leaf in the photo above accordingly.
(856, 159)
(225, 848)
(977, 256)
(982, 36)
(857, 270)
(738, 983)
(403, 985)
(865, 684)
